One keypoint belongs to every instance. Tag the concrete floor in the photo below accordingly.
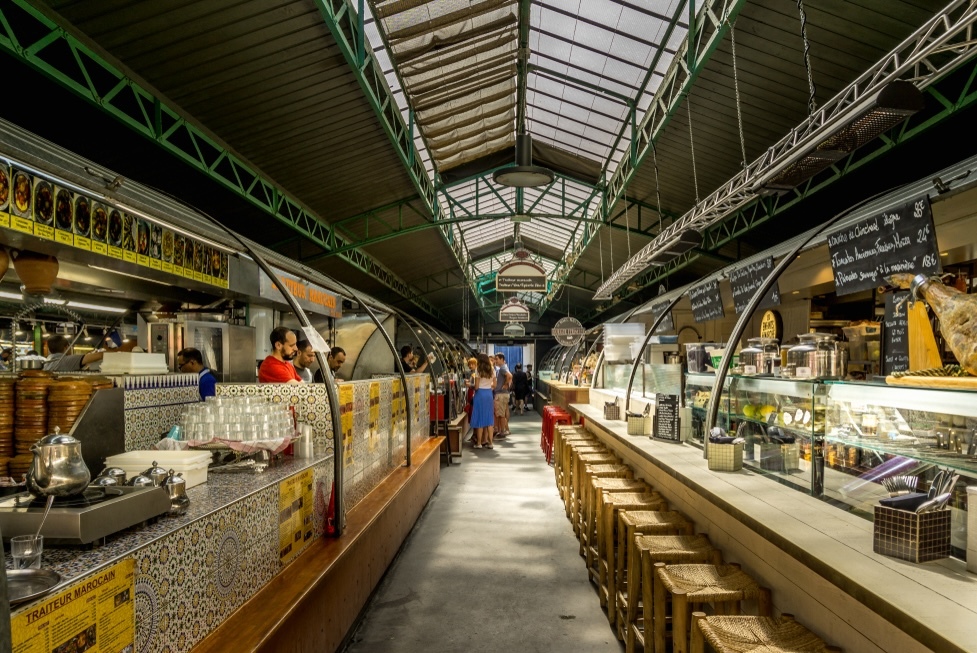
(491, 565)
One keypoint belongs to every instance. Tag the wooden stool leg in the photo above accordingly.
(610, 578)
(660, 616)
(648, 601)
(680, 617)
(764, 606)
(633, 589)
(698, 641)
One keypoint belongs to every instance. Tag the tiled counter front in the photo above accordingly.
(193, 571)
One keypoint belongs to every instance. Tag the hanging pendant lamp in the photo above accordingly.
(524, 174)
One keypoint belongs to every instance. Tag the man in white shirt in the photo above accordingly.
(302, 360)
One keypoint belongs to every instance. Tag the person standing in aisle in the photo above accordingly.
(483, 413)
(191, 361)
(520, 388)
(304, 357)
(530, 394)
(277, 366)
(471, 383)
(503, 383)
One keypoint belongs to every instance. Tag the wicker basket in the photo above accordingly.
(917, 537)
(640, 423)
(612, 410)
(725, 457)
(775, 457)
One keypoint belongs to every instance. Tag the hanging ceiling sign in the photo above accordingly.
(568, 331)
(521, 274)
(514, 311)
(514, 330)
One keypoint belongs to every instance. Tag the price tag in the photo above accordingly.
(155, 264)
(4, 219)
(129, 257)
(198, 276)
(188, 273)
(44, 231)
(83, 243)
(115, 252)
(208, 279)
(64, 237)
(24, 225)
(142, 259)
(749, 369)
(802, 373)
(167, 267)
(100, 248)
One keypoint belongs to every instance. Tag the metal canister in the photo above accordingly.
(802, 359)
(831, 357)
(761, 356)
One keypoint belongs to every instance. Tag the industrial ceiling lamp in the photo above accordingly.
(682, 242)
(524, 174)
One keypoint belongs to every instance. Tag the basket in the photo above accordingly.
(612, 410)
(725, 457)
(773, 457)
(639, 423)
(917, 537)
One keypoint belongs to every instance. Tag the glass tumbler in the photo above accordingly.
(26, 551)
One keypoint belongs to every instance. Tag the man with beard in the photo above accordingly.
(277, 366)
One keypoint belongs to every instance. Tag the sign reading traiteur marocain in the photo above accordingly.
(521, 274)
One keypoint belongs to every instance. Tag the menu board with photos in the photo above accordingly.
(43, 208)
(901, 239)
(667, 324)
(895, 334)
(746, 280)
(707, 301)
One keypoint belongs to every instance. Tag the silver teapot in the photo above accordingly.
(176, 488)
(58, 468)
(157, 473)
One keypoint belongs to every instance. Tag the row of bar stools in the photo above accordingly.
(562, 457)
(579, 453)
(592, 495)
(687, 587)
(612, 503)
(737, 634)
(640, 522)
(590, 471)
(646, 551)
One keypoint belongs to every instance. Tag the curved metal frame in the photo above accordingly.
(600, 358)
(644, 345)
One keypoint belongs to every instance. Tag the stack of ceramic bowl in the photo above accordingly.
(30, 422)
(65, 401)
(7, 400)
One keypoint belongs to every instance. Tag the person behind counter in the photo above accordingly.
(191, 361)
(277, 366)
(61, 361)
(6, 360)
(303, 358)
(409, 360)
(334, 359)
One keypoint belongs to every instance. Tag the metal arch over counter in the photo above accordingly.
(637, 359)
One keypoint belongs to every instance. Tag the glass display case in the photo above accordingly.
(838, 440)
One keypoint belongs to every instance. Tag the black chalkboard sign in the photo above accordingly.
(707, 301)
(895, 334)
(746, 280)
(901, 239)
(667, 324)
(665, 425)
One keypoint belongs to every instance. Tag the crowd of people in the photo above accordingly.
(493, 394)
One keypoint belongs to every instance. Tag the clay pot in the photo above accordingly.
(4, 262)
(37, 272)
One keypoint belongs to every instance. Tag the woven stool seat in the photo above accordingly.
(723, 586)
(736, 634)
(644, 552)
(582, 481)
(611, 503)
(590, 494)
(573, 457)
(561, 436)
(641, 522)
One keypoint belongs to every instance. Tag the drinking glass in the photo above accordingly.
(26, 551)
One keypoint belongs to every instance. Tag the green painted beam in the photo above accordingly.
(35, 38)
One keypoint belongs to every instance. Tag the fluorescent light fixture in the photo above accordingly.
(11, 295)
(97, 307)
(127, 274)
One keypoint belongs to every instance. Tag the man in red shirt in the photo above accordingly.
(277, 366)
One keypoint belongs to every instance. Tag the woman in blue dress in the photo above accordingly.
(483, 405)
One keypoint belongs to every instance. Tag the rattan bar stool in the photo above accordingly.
(727, 634)
(641, 522)
(589, 471)
(563, 433)
(687, 587)
(591, 495)
(607, 512)
(579, 456)
(561, 457)
(645, 551)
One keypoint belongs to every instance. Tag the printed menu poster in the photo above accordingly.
(398, 417)
(374, 414)
(295, 508)
(416, 392)
(96, 614)
(346, 421)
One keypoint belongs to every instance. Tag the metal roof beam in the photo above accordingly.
(587, 87)
(37, 39)
(606, 28)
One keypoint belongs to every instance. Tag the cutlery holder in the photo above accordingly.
(773, 457)
(612, 410)
(725, 457)
(917, 537)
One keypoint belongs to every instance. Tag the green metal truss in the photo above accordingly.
(33, 37)
(706, 32)
(950, 99)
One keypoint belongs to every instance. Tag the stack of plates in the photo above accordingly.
(65, 401)
(7, 399)
(30, 422)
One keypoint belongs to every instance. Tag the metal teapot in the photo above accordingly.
(58, 468)
(157, 473)
(176, 488)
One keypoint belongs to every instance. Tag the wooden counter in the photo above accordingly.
(817, 558)
(563, 394)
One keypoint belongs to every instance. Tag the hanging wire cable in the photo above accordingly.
(600, 248)
(627, 222)
(811, 103)
(695, 175)
(658, 190)
(736, 89)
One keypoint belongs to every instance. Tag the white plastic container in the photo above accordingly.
(193, 464)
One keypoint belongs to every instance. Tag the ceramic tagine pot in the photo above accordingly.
(37, 272)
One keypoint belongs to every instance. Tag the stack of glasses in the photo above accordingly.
(237, 419)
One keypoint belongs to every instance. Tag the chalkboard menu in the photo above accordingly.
(667, 324)
(746, 280)
(665, 425)
(707, 301)
(901, 239)
(895, 331)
